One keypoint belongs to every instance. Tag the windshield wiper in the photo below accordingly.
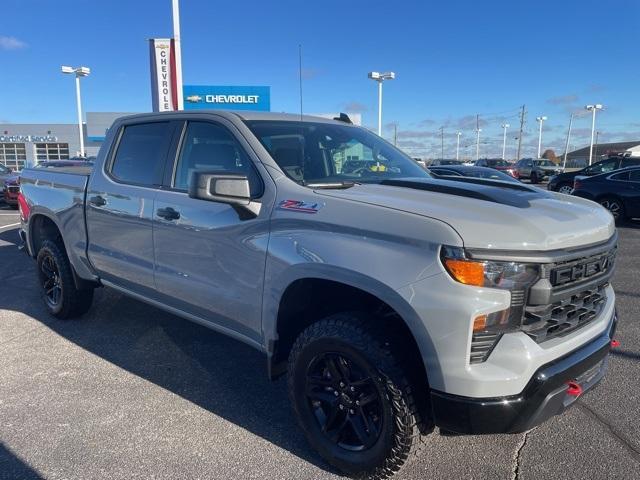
(329, 185)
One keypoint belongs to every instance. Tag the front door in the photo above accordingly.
(209, 257)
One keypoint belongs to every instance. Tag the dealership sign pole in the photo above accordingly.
(177, 55)
(163, 80)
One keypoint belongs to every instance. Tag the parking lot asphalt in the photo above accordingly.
(129, 391)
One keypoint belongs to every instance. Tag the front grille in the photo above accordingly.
(560, 318)
(481, 346)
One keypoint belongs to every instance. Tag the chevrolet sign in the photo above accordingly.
(226, 97)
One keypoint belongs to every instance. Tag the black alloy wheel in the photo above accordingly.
(350, 391)
(62, 296)
(344, 400)
(50, 280)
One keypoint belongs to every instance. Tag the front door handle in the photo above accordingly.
(98, 201)
(168, 213)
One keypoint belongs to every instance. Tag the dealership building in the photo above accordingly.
(25, 144)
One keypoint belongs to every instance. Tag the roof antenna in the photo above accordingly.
(300, 76)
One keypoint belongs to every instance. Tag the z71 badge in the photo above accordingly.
(300, 206)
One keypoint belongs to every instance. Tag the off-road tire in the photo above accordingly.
(73, 302)
(360, 337)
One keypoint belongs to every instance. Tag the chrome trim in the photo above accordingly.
(537, 256)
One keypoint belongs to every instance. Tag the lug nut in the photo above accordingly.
(353, 389)
(357, 402)
(335, 392)
(341, 407)
(342, 384)
(352, 411)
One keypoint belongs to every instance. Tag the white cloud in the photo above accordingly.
(11, 43)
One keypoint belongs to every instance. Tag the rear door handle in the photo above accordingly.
(98, 201)
(168, 213)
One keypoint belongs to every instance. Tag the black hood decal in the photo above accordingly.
(497, 192)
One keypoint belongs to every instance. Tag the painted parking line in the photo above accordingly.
(9, 226)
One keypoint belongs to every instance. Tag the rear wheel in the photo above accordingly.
(59, 292)
(351, 398)
(615, 207)
(566, 188)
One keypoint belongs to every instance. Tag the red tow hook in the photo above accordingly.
(574, 389)
(615, 343)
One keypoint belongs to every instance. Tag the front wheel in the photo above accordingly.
(534, 178)
(61, 296)
(351, 397)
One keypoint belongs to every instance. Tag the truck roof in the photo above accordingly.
(242, 114)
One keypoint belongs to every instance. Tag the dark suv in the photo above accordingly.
(563, 182)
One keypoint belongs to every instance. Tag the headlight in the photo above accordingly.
(513, 276)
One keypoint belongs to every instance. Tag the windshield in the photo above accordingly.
(544, 163)
(323, 153)
(498, 163)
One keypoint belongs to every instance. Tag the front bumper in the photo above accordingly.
(544, 396)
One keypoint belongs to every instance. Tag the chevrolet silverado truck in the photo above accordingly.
(393, 301)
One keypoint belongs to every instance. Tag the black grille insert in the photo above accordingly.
(481, 346)
(560, 318)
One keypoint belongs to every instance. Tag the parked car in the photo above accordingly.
(497, 164)
(11, 189)
(617, 191)
(563, 182)
(5, 172)
(472, 171)
(536, 169)
(446, 161)
(394, 301)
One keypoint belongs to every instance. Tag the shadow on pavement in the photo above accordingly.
(219, 374)
(11, 467)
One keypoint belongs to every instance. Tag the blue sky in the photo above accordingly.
(453, 60)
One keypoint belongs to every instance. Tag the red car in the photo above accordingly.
(498, 164)
(11, 190)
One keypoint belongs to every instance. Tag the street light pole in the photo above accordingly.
(458, 145)
(566, 147)
(380, 77)
(442, 143)
(478, 130)
(79, 72)
(540, 120)
(593, 109)
(504, 139)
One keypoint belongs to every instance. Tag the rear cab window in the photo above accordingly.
(141, 153)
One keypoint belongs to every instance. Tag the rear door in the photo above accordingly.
(120, 205)
(209, 256)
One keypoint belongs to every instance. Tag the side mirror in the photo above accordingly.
(224, 187)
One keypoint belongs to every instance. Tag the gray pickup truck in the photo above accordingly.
(394, 302)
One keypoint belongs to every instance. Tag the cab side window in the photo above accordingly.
(141, 153)
(211, 147)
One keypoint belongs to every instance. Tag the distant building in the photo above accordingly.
(580, 157)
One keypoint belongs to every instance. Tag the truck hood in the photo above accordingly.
(492, 215)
